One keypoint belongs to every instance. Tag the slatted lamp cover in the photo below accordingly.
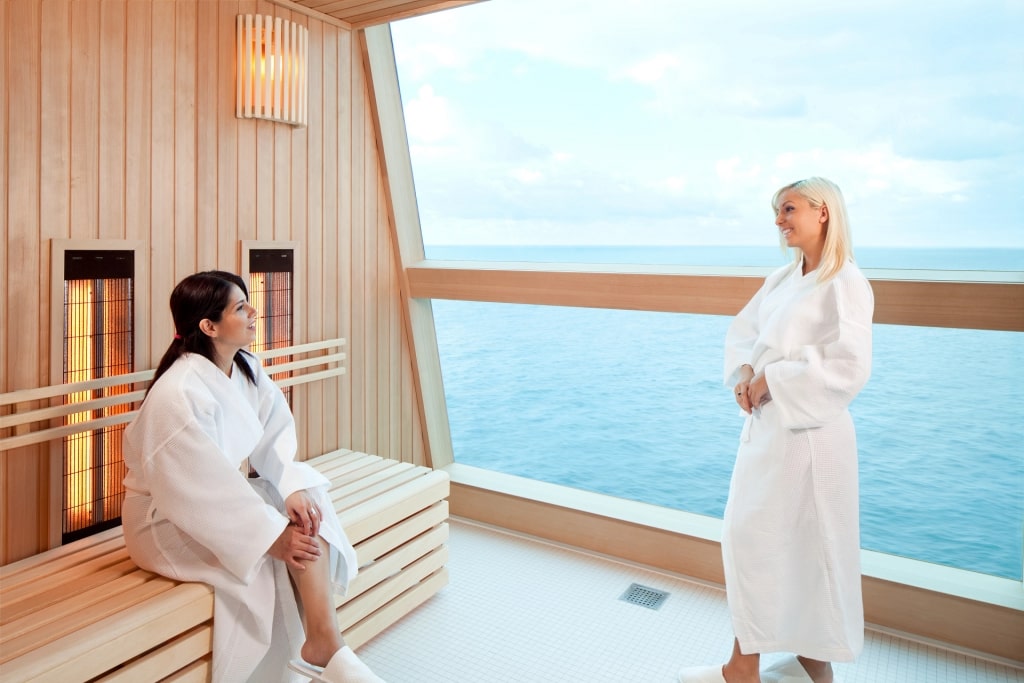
(272, 59)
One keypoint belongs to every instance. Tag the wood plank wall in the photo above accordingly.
(118, 120)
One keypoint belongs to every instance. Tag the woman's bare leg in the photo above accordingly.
(742, 668)
(324, 645)
(313, 588)
(819, 671)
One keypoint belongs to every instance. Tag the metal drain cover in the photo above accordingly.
(651, 598)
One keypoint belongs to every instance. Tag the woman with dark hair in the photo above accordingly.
(271, 546)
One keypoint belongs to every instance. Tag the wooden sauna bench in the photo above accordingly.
(84, 611)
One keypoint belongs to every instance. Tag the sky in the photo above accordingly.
(660, 122)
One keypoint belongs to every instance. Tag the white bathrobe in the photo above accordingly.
(791, 537)
(191, 514)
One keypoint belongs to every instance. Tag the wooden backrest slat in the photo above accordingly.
(301, 348)
(309, 377)
(65, 409)
(44, 435)
(34, 419)
(50, 391)
(293, 365)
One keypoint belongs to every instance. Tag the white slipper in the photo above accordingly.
(702, 674)
(344, 667)
(786, 670)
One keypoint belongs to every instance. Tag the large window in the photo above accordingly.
(572, 131)
(631, 404)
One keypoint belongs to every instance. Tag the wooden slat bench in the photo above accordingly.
(85, 612)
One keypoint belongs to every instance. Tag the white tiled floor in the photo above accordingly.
(520, 610)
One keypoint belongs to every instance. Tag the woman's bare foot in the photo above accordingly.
(742, 668)
(737, 672)
(319, 652)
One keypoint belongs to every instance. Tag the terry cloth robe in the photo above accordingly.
(791, 534)
(191, 514)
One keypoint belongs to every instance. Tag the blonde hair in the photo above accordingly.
(838, 247)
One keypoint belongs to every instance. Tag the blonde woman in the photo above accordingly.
(795, 357)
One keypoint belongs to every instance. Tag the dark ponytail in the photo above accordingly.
(197, 297)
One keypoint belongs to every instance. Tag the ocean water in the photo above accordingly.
(631, 404)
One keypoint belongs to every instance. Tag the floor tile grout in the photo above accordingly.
(524, 609)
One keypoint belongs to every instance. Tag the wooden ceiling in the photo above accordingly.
(363, 13)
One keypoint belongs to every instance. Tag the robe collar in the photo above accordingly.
(240, 414)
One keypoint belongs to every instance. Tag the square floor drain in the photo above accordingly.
(651, 598)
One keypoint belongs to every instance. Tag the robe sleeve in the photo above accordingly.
(745, 329)
(196, 487)
(274, 455)
(814, 383)
(739, 340)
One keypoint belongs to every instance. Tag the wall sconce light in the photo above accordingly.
(272, 58)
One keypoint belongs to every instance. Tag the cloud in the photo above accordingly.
(527, 176)
(690, 116)
(429, 118)
(652, 69)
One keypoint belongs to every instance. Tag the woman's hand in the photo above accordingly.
(752, 390)
(293, 547)
(303, 512)
(757, 392)
(742, 389)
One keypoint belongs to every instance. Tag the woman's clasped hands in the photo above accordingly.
(752, 389)
(299, 543)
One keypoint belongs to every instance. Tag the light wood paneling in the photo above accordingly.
(371, 340)
(119, 124)
(363, 13)
(357, 271)
(84, 110)
(111, 124)
(25, 319)
(207, 99)
(5, 323)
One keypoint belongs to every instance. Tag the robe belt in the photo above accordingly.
(745, 434)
